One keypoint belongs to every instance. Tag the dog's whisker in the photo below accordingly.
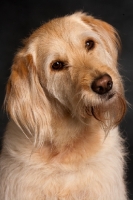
(80, 99)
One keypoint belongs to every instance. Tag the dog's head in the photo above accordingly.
(67, 65)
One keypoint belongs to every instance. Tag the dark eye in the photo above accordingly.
(58, 65)
(89, 44)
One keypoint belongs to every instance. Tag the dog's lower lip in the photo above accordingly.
(110, 96)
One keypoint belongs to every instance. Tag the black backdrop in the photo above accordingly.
(19, 18)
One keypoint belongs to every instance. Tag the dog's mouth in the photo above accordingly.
(110, 96)
(107, 97)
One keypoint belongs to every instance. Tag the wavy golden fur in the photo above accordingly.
(65, 98)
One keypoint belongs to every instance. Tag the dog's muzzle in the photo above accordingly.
(102, 84)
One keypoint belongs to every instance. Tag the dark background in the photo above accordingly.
(19, 18)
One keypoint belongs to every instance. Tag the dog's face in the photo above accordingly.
(69, 63)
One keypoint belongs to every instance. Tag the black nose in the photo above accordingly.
(102, 84)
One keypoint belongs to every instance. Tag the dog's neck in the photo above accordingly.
(73, 141)
(68, 129)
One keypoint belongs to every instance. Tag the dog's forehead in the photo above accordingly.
(69, 28)
(66, 33)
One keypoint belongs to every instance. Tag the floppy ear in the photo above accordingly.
(107, 32)
(26, 101)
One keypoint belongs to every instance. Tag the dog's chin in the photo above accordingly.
(109, 110)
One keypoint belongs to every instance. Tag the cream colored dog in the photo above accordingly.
(65, 98)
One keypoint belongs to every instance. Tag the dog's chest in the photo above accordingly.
(66, 181)
(71, 180)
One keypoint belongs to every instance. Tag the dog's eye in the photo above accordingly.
(58, 65)
(89, 44)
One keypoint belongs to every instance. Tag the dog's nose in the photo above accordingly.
(102, 84)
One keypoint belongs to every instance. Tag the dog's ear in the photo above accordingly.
(25, 99)
(107, 32)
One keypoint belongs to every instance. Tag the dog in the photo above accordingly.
(65, 99)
